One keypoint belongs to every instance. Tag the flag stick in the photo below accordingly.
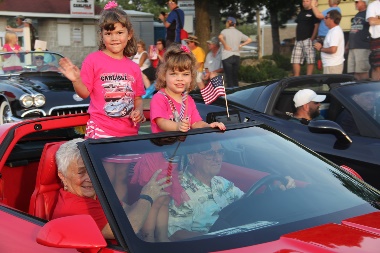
(225, 98)
(186, 103)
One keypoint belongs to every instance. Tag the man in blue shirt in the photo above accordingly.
(174, 22)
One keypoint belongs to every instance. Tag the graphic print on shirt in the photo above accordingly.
(118, 94)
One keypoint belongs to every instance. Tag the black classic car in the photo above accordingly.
(31, 86)
(271, 102)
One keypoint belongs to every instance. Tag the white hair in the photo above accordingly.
(67, 153)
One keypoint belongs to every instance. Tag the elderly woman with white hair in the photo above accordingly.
(78, 195)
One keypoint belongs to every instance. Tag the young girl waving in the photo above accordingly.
(171, 108)
(110, 78)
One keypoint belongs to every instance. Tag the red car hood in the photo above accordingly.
(358, 234)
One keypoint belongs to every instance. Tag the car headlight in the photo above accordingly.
(39, 100)
(26, 100)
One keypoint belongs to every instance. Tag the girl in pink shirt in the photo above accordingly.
(12, 63)
(171, 109)
(110, 78)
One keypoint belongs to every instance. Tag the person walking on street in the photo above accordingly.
(306, 32)
(358, 43)
(332, 50)
(231, 39)
(373, 18)
(173, 22)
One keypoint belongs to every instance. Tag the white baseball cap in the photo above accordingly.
(305, 96)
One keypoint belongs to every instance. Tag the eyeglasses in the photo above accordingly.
(39, 57)
(327, 17)
(158, 43)
(208, 155)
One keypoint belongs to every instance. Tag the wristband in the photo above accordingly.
(147, 197)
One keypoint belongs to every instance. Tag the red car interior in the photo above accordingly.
(44, 197)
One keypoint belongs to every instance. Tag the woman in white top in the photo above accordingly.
(142, 59)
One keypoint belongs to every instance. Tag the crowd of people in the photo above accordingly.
(321, 31)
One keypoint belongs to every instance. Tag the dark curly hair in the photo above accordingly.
(176, 59)
(108, 19)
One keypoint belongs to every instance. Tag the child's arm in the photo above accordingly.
(137, 114)
(72, 73)
(201, 124)
(169, 125)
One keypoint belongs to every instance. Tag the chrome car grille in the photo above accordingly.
(57, 111)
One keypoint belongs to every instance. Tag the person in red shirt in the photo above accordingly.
(78, 194)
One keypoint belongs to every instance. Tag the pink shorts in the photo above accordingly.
(93, 131)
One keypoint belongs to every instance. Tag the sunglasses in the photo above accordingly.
(208, 155)
(327, 17)
(39, 57)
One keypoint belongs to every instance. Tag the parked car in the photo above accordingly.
(330, 209)
(31, 86)
(272, 103)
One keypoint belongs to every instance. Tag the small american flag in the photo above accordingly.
(213, 90)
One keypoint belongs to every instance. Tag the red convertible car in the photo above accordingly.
(329, 209)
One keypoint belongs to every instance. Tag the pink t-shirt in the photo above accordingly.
(9, 49)
(113, 85)
(160, 108)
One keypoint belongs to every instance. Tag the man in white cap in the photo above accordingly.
(307, 104)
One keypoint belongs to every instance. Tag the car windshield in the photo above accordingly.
(247, 181)
(366, 97)
(35, 61)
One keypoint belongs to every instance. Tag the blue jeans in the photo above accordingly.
(231, 70)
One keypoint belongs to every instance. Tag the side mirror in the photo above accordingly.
(331, 127)
(77, 232)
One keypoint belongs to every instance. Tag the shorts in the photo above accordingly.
(338, 69)
(150, 73)
(93, 131)
(303, 49)
(358, 61)
(374, 57)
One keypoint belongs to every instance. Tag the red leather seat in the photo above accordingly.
(45, 194)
